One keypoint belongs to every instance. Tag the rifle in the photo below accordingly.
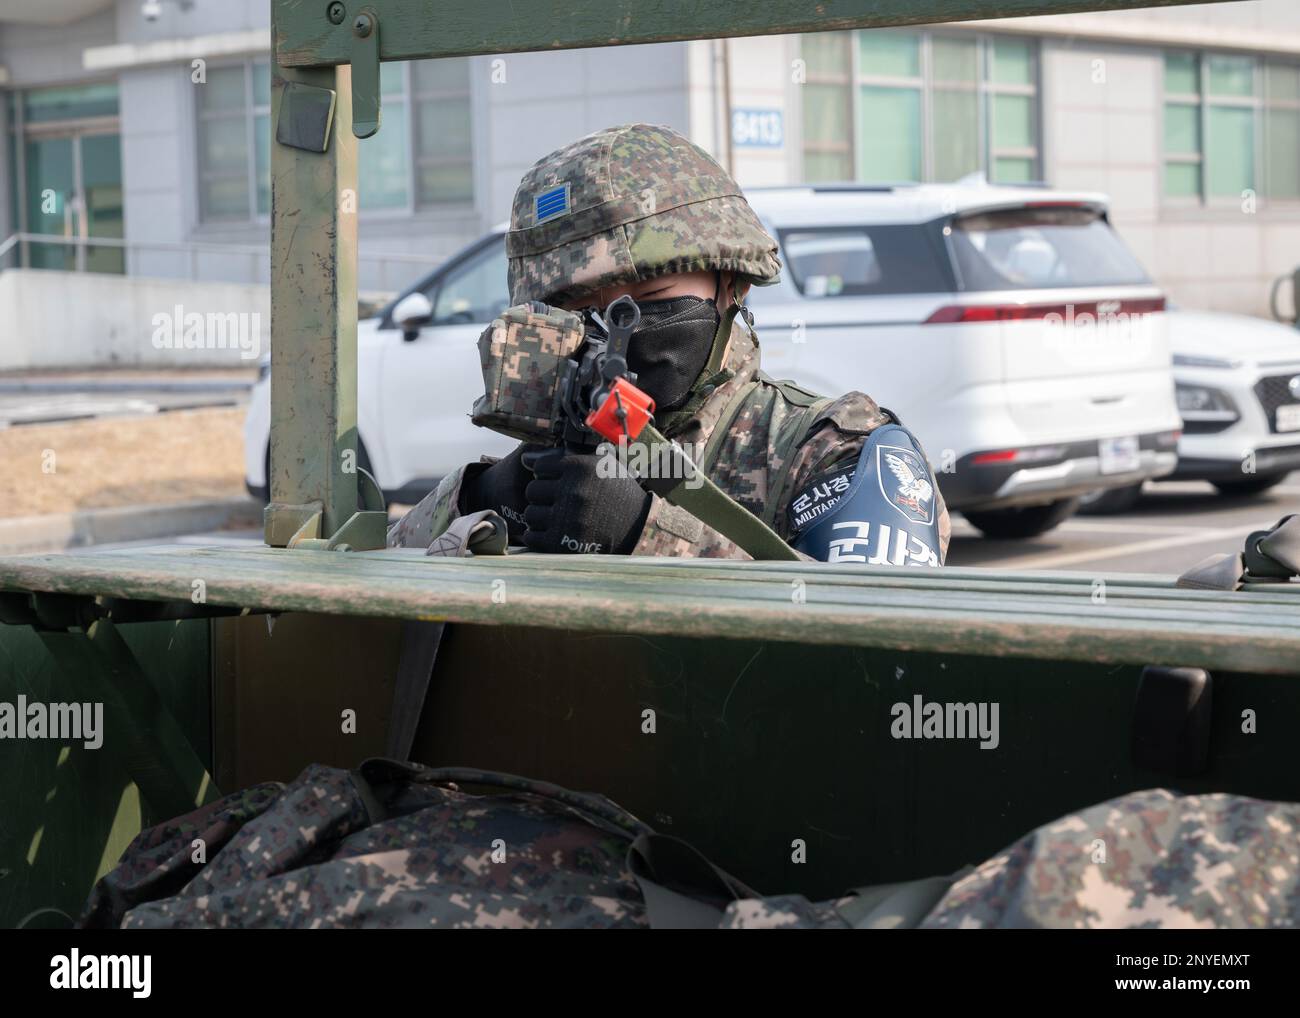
(554, 376)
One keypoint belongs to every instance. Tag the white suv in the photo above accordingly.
(961, 308)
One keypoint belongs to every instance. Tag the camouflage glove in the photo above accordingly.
(500, 487)
(577, 505)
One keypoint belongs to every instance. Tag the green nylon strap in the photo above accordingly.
(682, 889)
(709, 504)
(792, 391)
(778, 485)
(807, 409)
(676, 421)
(725, 420)
(896, 906)
(722, 338)
(778, 491)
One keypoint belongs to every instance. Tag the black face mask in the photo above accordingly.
(670, 347)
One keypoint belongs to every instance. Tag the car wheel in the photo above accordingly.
(1021, 521)
(363, 462)
(1105, 501)
(1249, 485)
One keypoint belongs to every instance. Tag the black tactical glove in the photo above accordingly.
(576, 504)
(500, 487)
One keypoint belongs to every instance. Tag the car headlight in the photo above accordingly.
(1183, 360)
(1201, 403)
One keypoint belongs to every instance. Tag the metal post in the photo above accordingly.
(313, 318)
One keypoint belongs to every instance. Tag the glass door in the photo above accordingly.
(100, 200)
(51, 201)
(70, 176)
(74, 191)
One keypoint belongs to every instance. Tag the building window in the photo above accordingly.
(384, 160)
(827, 107)
(1282, 130)
(1232, 124)
(417, 160)
(234, 116)
(912, 106)
(1183, 158)
(443, 153)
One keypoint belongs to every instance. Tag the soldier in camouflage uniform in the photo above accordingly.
(641, 210)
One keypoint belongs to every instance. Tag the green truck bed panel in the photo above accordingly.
(1131, 619)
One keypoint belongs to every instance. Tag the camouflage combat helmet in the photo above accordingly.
(625, 204)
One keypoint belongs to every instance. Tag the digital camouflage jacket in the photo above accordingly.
(769, 445)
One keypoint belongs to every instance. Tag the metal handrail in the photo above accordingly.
(256, 252)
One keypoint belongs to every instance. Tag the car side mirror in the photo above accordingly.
(411, 313)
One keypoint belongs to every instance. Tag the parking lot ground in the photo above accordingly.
(1176, 525)
(112, 462)
(33, 399)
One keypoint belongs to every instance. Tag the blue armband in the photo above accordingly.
(883, 510)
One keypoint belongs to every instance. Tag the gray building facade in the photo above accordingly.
(148, 123)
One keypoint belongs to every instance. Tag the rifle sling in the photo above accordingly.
(693, 491)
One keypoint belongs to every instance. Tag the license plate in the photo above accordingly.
(1119, 455)
(1288, 417)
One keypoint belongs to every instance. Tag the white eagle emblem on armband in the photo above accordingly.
(909, 491)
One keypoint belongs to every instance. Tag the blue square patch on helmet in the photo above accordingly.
(551, 203)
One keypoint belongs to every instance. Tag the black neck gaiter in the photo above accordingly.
(670, 347)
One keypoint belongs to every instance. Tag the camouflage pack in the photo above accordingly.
(401, 845)
(523, 354)
(389, 845)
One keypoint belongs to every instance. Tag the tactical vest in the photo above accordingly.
(811, 408)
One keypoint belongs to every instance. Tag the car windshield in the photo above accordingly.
(1027, 248)
(851, 261)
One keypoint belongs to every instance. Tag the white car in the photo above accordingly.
(1238, 382)
(1238, 388)
(414, 386)
(962, 308)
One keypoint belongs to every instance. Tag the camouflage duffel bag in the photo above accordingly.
(401, 845)
(1150, 859)
(393, 845)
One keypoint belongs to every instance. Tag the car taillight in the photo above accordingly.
(953, 313)
(1031, 454)
(1001, 456)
